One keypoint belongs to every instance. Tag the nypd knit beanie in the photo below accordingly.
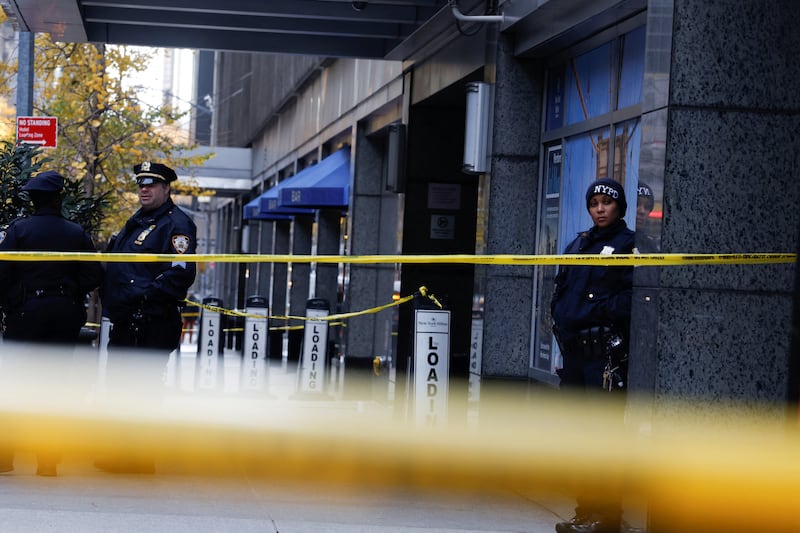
(610, 188)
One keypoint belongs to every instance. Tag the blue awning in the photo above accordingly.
(326, 184)
(252, 211)
(268, 202)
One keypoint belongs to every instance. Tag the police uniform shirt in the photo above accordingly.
(152, 287)
(46, 230)
(587, 296)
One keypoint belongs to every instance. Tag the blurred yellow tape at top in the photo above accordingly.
(500, 259)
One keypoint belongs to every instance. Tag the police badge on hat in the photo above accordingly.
(2, 236)
(180, 243)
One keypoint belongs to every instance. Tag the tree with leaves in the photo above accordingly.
(103, 127)
(18, 164)
(103, 130)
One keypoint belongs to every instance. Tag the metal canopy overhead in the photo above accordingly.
(332, 28)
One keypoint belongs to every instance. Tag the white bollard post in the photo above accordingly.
(102, 363)
(209, 345)
(314, 361)
(475, 358)
(255, 344)
(431, 366)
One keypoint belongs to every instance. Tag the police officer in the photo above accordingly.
(44, 301)
(143, 299)
(646, 242)
(591, 310)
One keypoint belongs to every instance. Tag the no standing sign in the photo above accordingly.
(37, 130)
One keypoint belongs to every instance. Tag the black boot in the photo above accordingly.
(590, 523)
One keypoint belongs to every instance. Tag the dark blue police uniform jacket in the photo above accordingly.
(155, 289)
(590, 296)
(44, 299)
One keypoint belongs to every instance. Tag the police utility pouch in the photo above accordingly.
(592, 342)
(601, 342)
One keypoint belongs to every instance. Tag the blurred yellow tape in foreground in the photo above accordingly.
(502, 259)
(705, 469)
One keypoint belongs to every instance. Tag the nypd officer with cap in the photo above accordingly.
(591, 310)
(142, 299)
(44, 301)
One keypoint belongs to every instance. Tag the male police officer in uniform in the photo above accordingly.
(142, 299)
(44, 301)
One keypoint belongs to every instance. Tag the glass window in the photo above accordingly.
(585, 160)
(589, 86)
(547, 352)
(597, 82)
(632, 70)
(589, 91)
(627, 140)
(555, 98)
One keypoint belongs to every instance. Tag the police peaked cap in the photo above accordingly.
(47, 182)
(147, 173)
(610, 188)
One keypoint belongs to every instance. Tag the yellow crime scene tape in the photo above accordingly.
(335, 319)
(705, 469)
(501, 259)
(329, 318)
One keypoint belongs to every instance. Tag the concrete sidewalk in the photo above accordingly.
(83, 499)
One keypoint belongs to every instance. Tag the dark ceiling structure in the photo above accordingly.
(373, 29)
(369, 29)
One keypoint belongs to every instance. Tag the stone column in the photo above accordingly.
(375, 233)
(510, 192)
(328, 240)
(298, 295)
(277, 304)
(720, 334)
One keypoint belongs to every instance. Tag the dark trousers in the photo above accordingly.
(583, 378)
(137, 358)
(52, 319)
(153, 332)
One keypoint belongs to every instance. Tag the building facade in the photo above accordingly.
(697, 100)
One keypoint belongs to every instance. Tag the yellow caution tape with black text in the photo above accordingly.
(500, 259)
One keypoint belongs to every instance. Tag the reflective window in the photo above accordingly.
(588, 80)
(607, 78)
(600, 86)
(631, 46)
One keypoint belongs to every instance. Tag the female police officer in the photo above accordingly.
(591, 313)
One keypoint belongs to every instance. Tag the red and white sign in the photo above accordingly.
(38, 130)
